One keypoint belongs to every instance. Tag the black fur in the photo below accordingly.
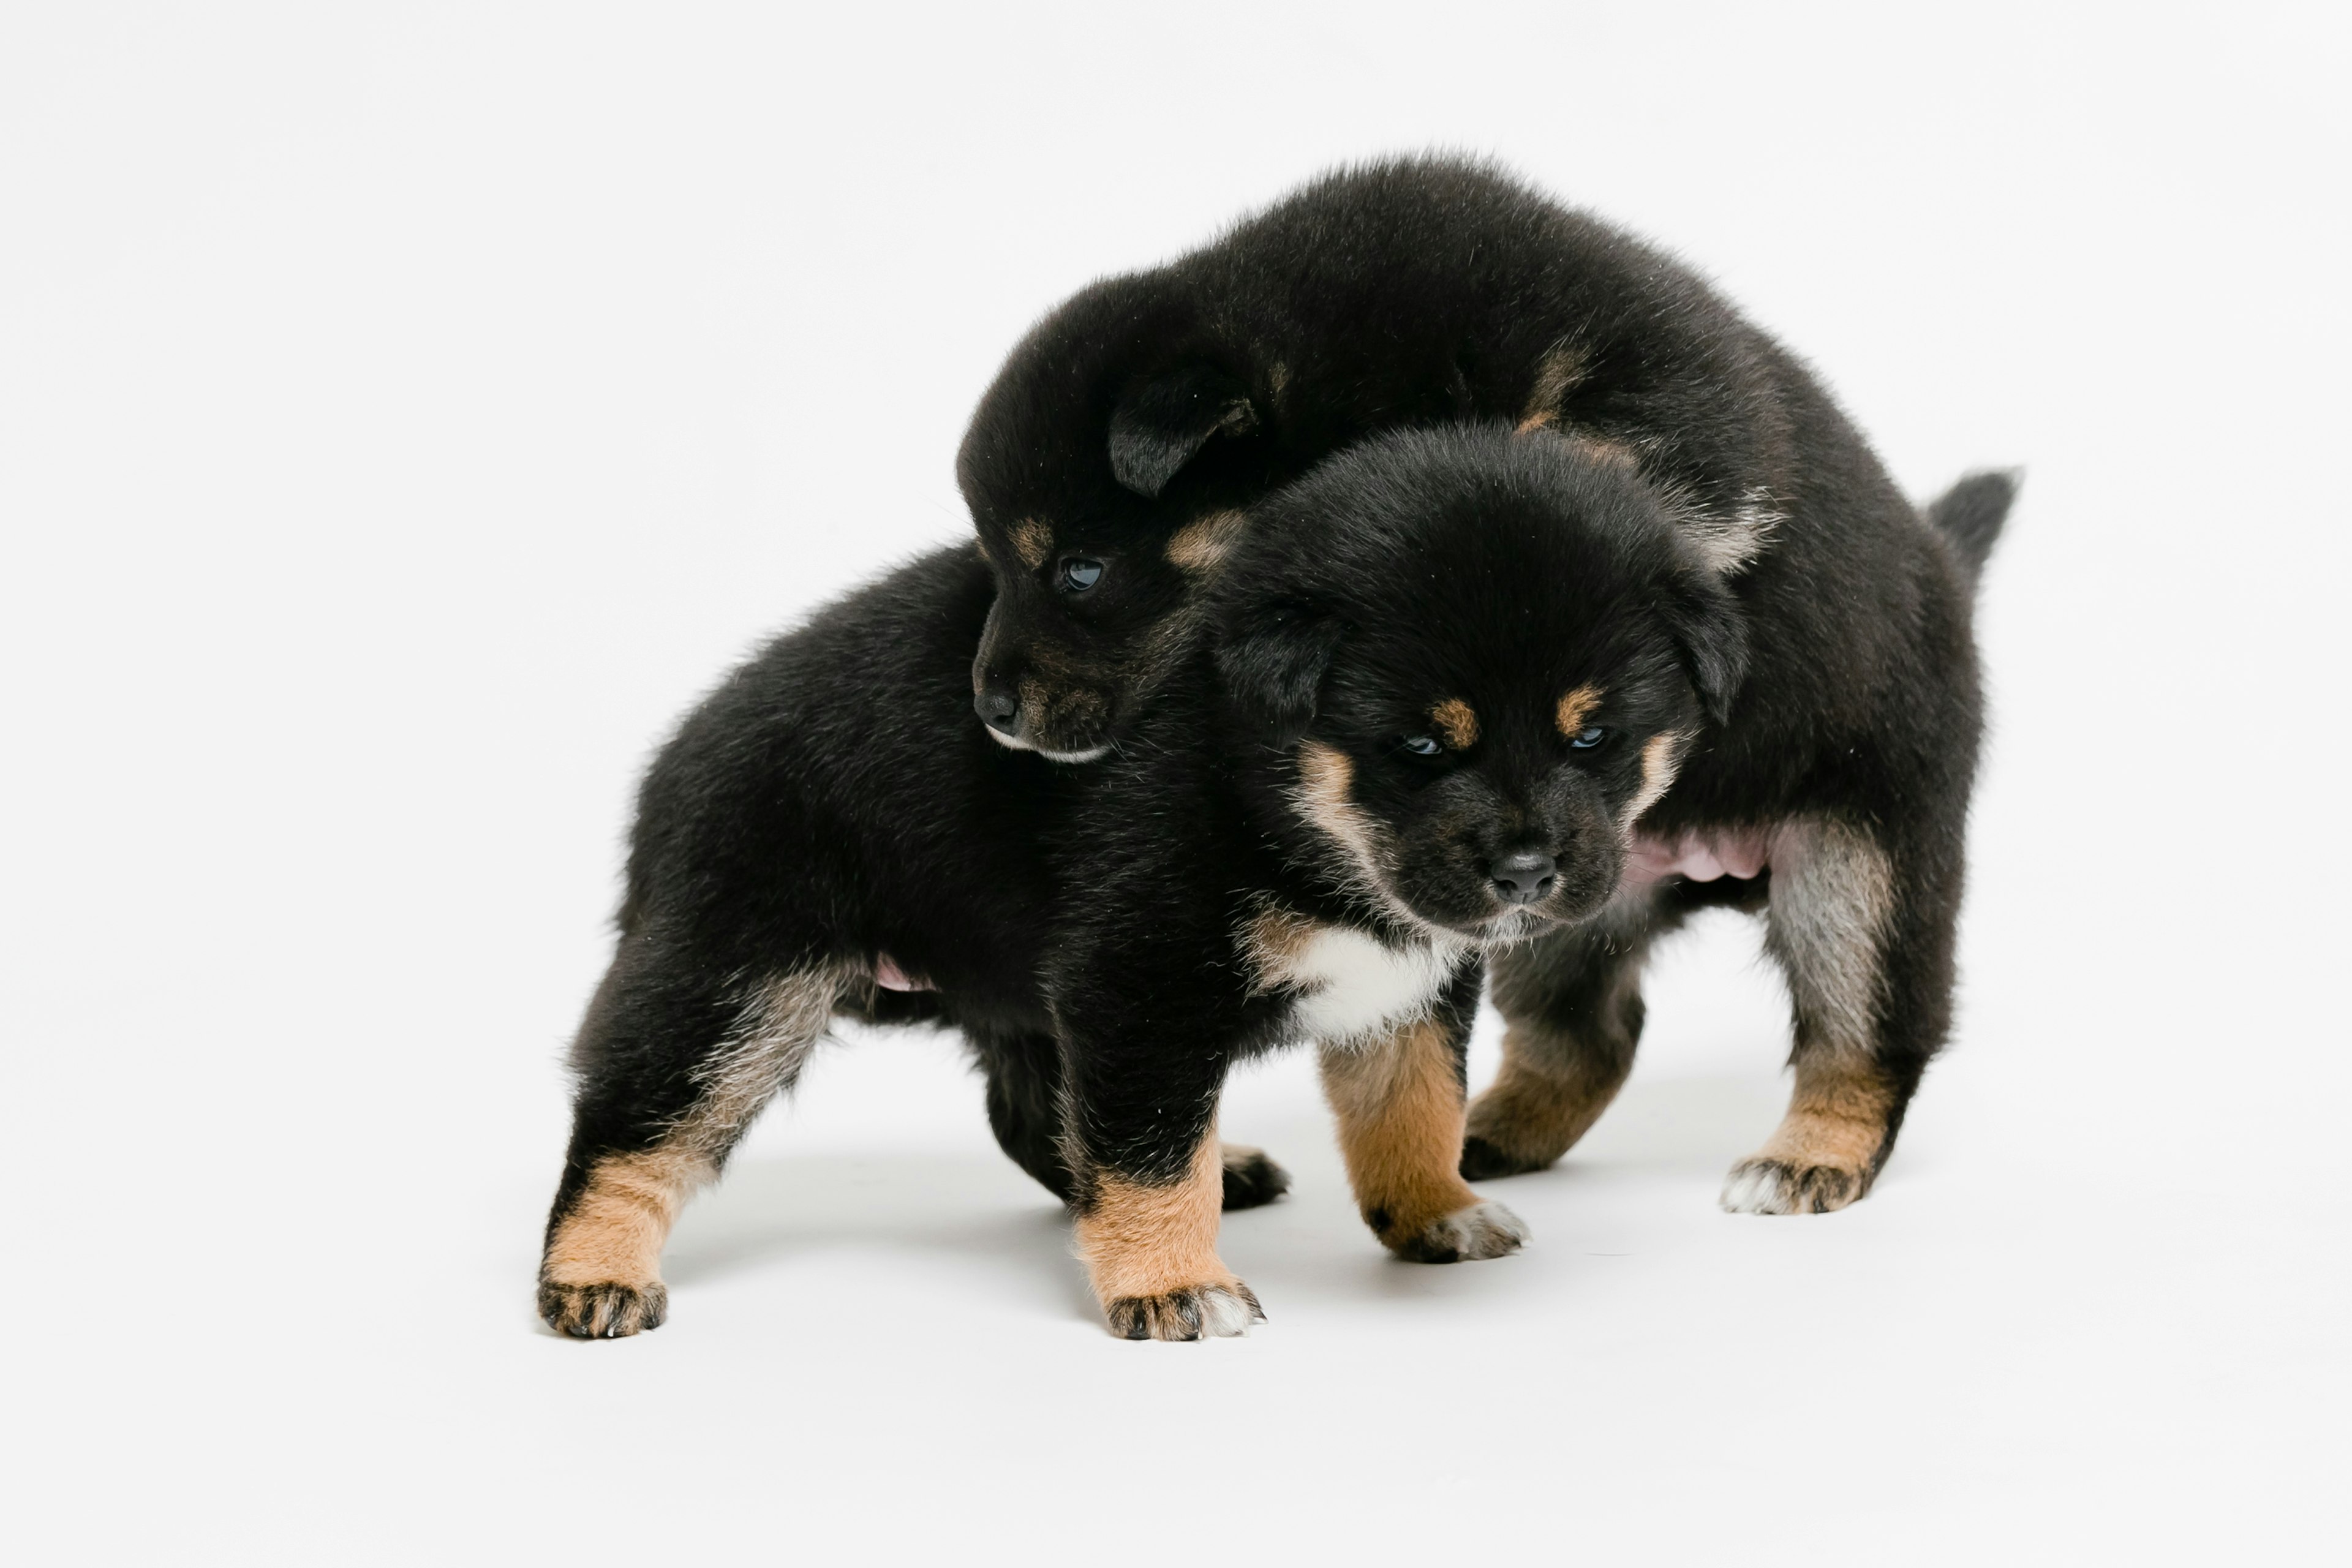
(1398, 293)
(833, 803)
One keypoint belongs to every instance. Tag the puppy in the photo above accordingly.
(1106, 465)
(1112, 466)
(1443, 679)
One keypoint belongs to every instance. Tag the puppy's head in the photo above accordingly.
(1478, 658)
(1103, 470)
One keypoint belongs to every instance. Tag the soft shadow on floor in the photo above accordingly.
(1696, 1121)
(766, 1209)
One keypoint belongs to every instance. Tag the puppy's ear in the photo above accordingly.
(1273, 658)
(1711, 634)
(1161, 424)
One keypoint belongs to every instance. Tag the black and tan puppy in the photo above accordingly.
(1105, 465)
(1109, 468)
(1443, 679)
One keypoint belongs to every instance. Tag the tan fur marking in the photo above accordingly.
(1573, 708)
(613, 1235)
(1457, 722)
(1557, 374)
(1033, 541)
(1202, 545)
(1837, 1117)
(1661, 761)
(1141, 1240)
(1399, 1110)
(1325, 798)
(1271, 942)
(1536, 1115)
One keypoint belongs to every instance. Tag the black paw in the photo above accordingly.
(602, 1311)
(1198, 1311)
(1483, 1162)
(1779, 1186)
(1251, 1178)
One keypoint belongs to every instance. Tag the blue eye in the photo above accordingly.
(1421, 745)
(1589, 737)
(1079, 573)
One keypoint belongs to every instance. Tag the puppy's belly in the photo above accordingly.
(1703, 857)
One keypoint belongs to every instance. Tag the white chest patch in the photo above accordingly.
(1352, 986)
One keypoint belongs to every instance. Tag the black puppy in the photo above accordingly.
(1108, 467)
(1104, 465)
(1447, 676)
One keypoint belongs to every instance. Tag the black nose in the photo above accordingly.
(1523, 877)
(997, 707)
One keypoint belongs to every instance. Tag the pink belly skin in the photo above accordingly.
(1702, 856)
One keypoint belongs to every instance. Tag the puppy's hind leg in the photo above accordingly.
(1571, 1006)
(1024, 1111)
(673, 1067)
(1865, 941)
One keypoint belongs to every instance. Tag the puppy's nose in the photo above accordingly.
(998, 708)
(1523, 877)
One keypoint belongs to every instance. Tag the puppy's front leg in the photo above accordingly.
(1150, 1250)
(1399, 1101)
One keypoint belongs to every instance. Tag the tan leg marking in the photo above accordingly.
(1457, 721)
(1399, 1106)
(1575, 708)
(614, 1234)
(1833, 895)
(1142, 1240)
(1822, 1156)
(601, 1274)
(1200, 546)
(1535, 1114)
(1033, 541)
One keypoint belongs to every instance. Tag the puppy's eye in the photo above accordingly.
(1591, 736)
(1080, 572)
(1421, 745)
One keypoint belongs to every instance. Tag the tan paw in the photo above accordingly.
(1481, 1230)
(603, 1311)
(1197, 1312)
(1763, 1185)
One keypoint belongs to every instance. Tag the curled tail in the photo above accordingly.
(1971, 514)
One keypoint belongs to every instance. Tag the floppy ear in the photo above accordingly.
(1161, 424)
(1273, 660)
(1711, 631)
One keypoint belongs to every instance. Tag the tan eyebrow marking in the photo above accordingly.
(1033, 541)
(1200, 545)
(1574, 707)
(1457, 722)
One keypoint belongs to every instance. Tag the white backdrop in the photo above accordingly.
(406, 411)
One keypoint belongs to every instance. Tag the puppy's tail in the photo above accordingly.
(1971, 514)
